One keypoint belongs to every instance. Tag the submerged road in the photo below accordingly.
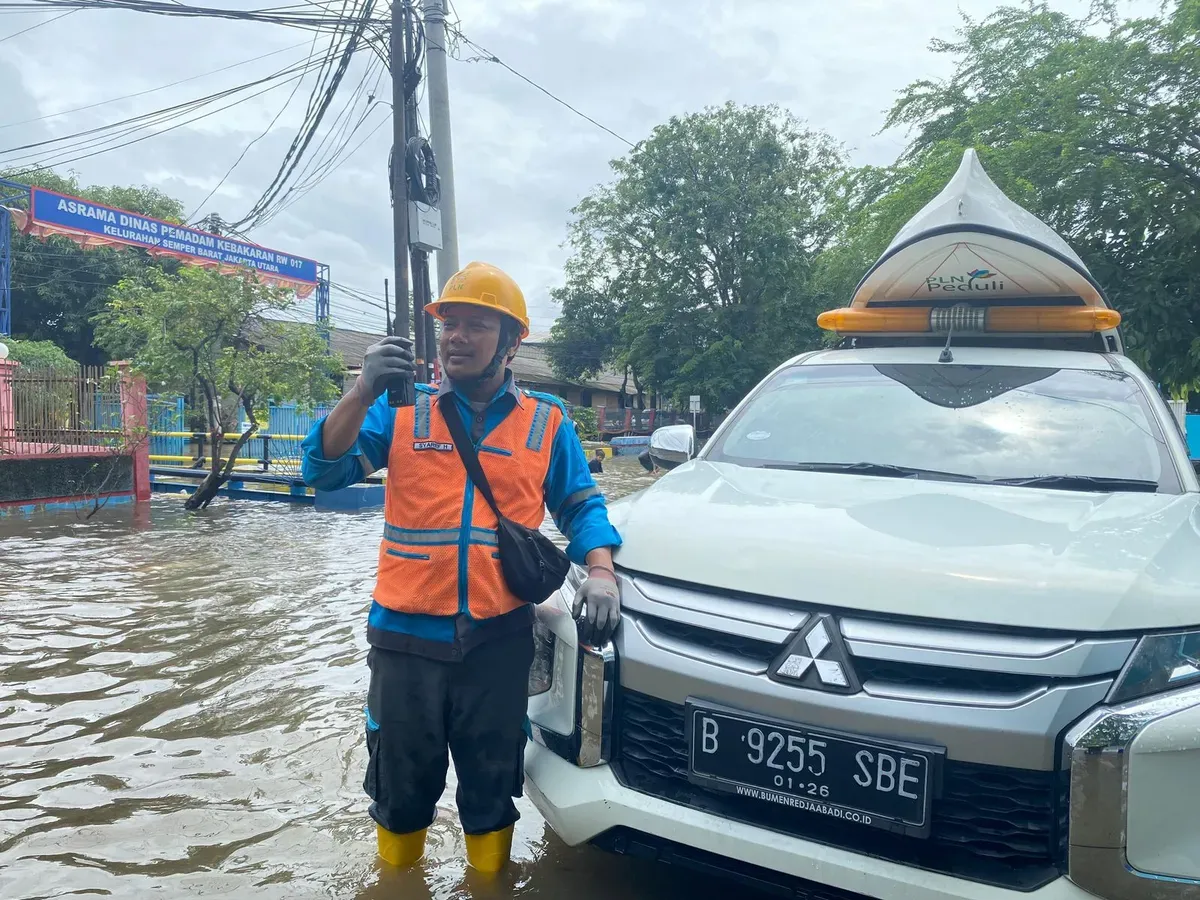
(181, 715)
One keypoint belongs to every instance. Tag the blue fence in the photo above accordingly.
(166, 414)
(108, 413)
(285, 418)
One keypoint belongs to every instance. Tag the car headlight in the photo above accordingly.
(571, 688)
(1133, 830)
(541, 673)
(1160, 662)
(546, 653)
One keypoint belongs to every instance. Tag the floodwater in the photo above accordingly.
(181, 705)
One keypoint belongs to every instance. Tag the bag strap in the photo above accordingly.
(466, 450)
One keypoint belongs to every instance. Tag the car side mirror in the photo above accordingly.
(1196, 466)
(672, 445)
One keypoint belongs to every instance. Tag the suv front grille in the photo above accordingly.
(940, 677)
(722, 642)
(990, 824)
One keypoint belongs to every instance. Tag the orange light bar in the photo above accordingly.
(1000, 319)
(1051, 318)
(892, 320)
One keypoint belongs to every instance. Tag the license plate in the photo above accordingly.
(883, 784)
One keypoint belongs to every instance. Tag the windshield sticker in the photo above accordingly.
(758, 435)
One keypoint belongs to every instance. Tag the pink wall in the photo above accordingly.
(7, 413)
(134, 422)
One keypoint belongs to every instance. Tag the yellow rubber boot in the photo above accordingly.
(400, 849)
(487, 853)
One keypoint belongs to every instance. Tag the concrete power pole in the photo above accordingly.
(400, 394)
(439, 139)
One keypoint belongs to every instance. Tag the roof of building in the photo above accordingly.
(532, 364)
(351, 344)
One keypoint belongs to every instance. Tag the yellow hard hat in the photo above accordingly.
(482, 284)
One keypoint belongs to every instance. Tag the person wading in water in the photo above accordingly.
(450, 643)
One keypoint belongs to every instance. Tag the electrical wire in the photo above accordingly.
(265, 132)
(38, 25)
(156, 116)
(61, 160)
(323, 93)
(336, 63)
(365, 299)
(358, 293)
(320, 163)
(76, 109)
(334, 165)
(295, 15)
(488, 56)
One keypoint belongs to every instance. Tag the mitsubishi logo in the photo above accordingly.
(817, 658)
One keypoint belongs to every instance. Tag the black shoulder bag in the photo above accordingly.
(533, 566)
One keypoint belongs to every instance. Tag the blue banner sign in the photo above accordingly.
(54, 211)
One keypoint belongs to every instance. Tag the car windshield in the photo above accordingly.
(1073, 428)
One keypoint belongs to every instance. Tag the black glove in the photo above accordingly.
(599, 600)
(386, 362)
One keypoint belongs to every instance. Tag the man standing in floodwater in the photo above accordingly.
(451, 645)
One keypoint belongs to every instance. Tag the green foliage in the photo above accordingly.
(1089, 123)
(693, 268)
(209, 332)
(200, 329)
(589, 428)
(40, 355)
(47, 397)
(58, 287)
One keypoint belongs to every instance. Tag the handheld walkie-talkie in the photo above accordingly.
(400, 392)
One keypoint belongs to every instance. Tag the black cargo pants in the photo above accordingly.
(422, 711)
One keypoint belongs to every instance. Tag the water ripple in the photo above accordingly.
(181, 713)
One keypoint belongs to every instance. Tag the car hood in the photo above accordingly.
(1006, 556)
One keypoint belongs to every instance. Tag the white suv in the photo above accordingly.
(921, 620)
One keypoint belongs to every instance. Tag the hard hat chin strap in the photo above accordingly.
(494, 366)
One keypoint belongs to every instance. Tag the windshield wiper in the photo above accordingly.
(1081, 483)
(883, 470)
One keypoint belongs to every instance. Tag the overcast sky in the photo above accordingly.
(521, 160)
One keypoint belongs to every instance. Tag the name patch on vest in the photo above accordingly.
(433, 445)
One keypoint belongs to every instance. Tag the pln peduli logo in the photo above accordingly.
(973, 282)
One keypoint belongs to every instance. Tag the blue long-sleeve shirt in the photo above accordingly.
(570, 493)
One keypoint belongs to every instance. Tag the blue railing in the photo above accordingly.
(282, 419)
(166, 414)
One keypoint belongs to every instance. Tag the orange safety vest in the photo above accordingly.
(439, 553)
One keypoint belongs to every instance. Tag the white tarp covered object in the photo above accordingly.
(972, 243)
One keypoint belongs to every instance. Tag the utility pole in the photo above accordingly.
(439, 138)
(419, 258)
(400, 394)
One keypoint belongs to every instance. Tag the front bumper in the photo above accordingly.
(1128, 831)
(582, 804)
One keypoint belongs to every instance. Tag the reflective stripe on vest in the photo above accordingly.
(438, 554)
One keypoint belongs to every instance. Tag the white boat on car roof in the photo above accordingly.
(972, 243)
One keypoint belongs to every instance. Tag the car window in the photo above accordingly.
(984, 422)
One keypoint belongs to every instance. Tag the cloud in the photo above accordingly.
(521, 159)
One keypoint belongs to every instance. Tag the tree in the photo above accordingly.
(691, 271)
(40, 355)
(58, 287)
(1091, 124)
(203, 330)
(588, 421)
